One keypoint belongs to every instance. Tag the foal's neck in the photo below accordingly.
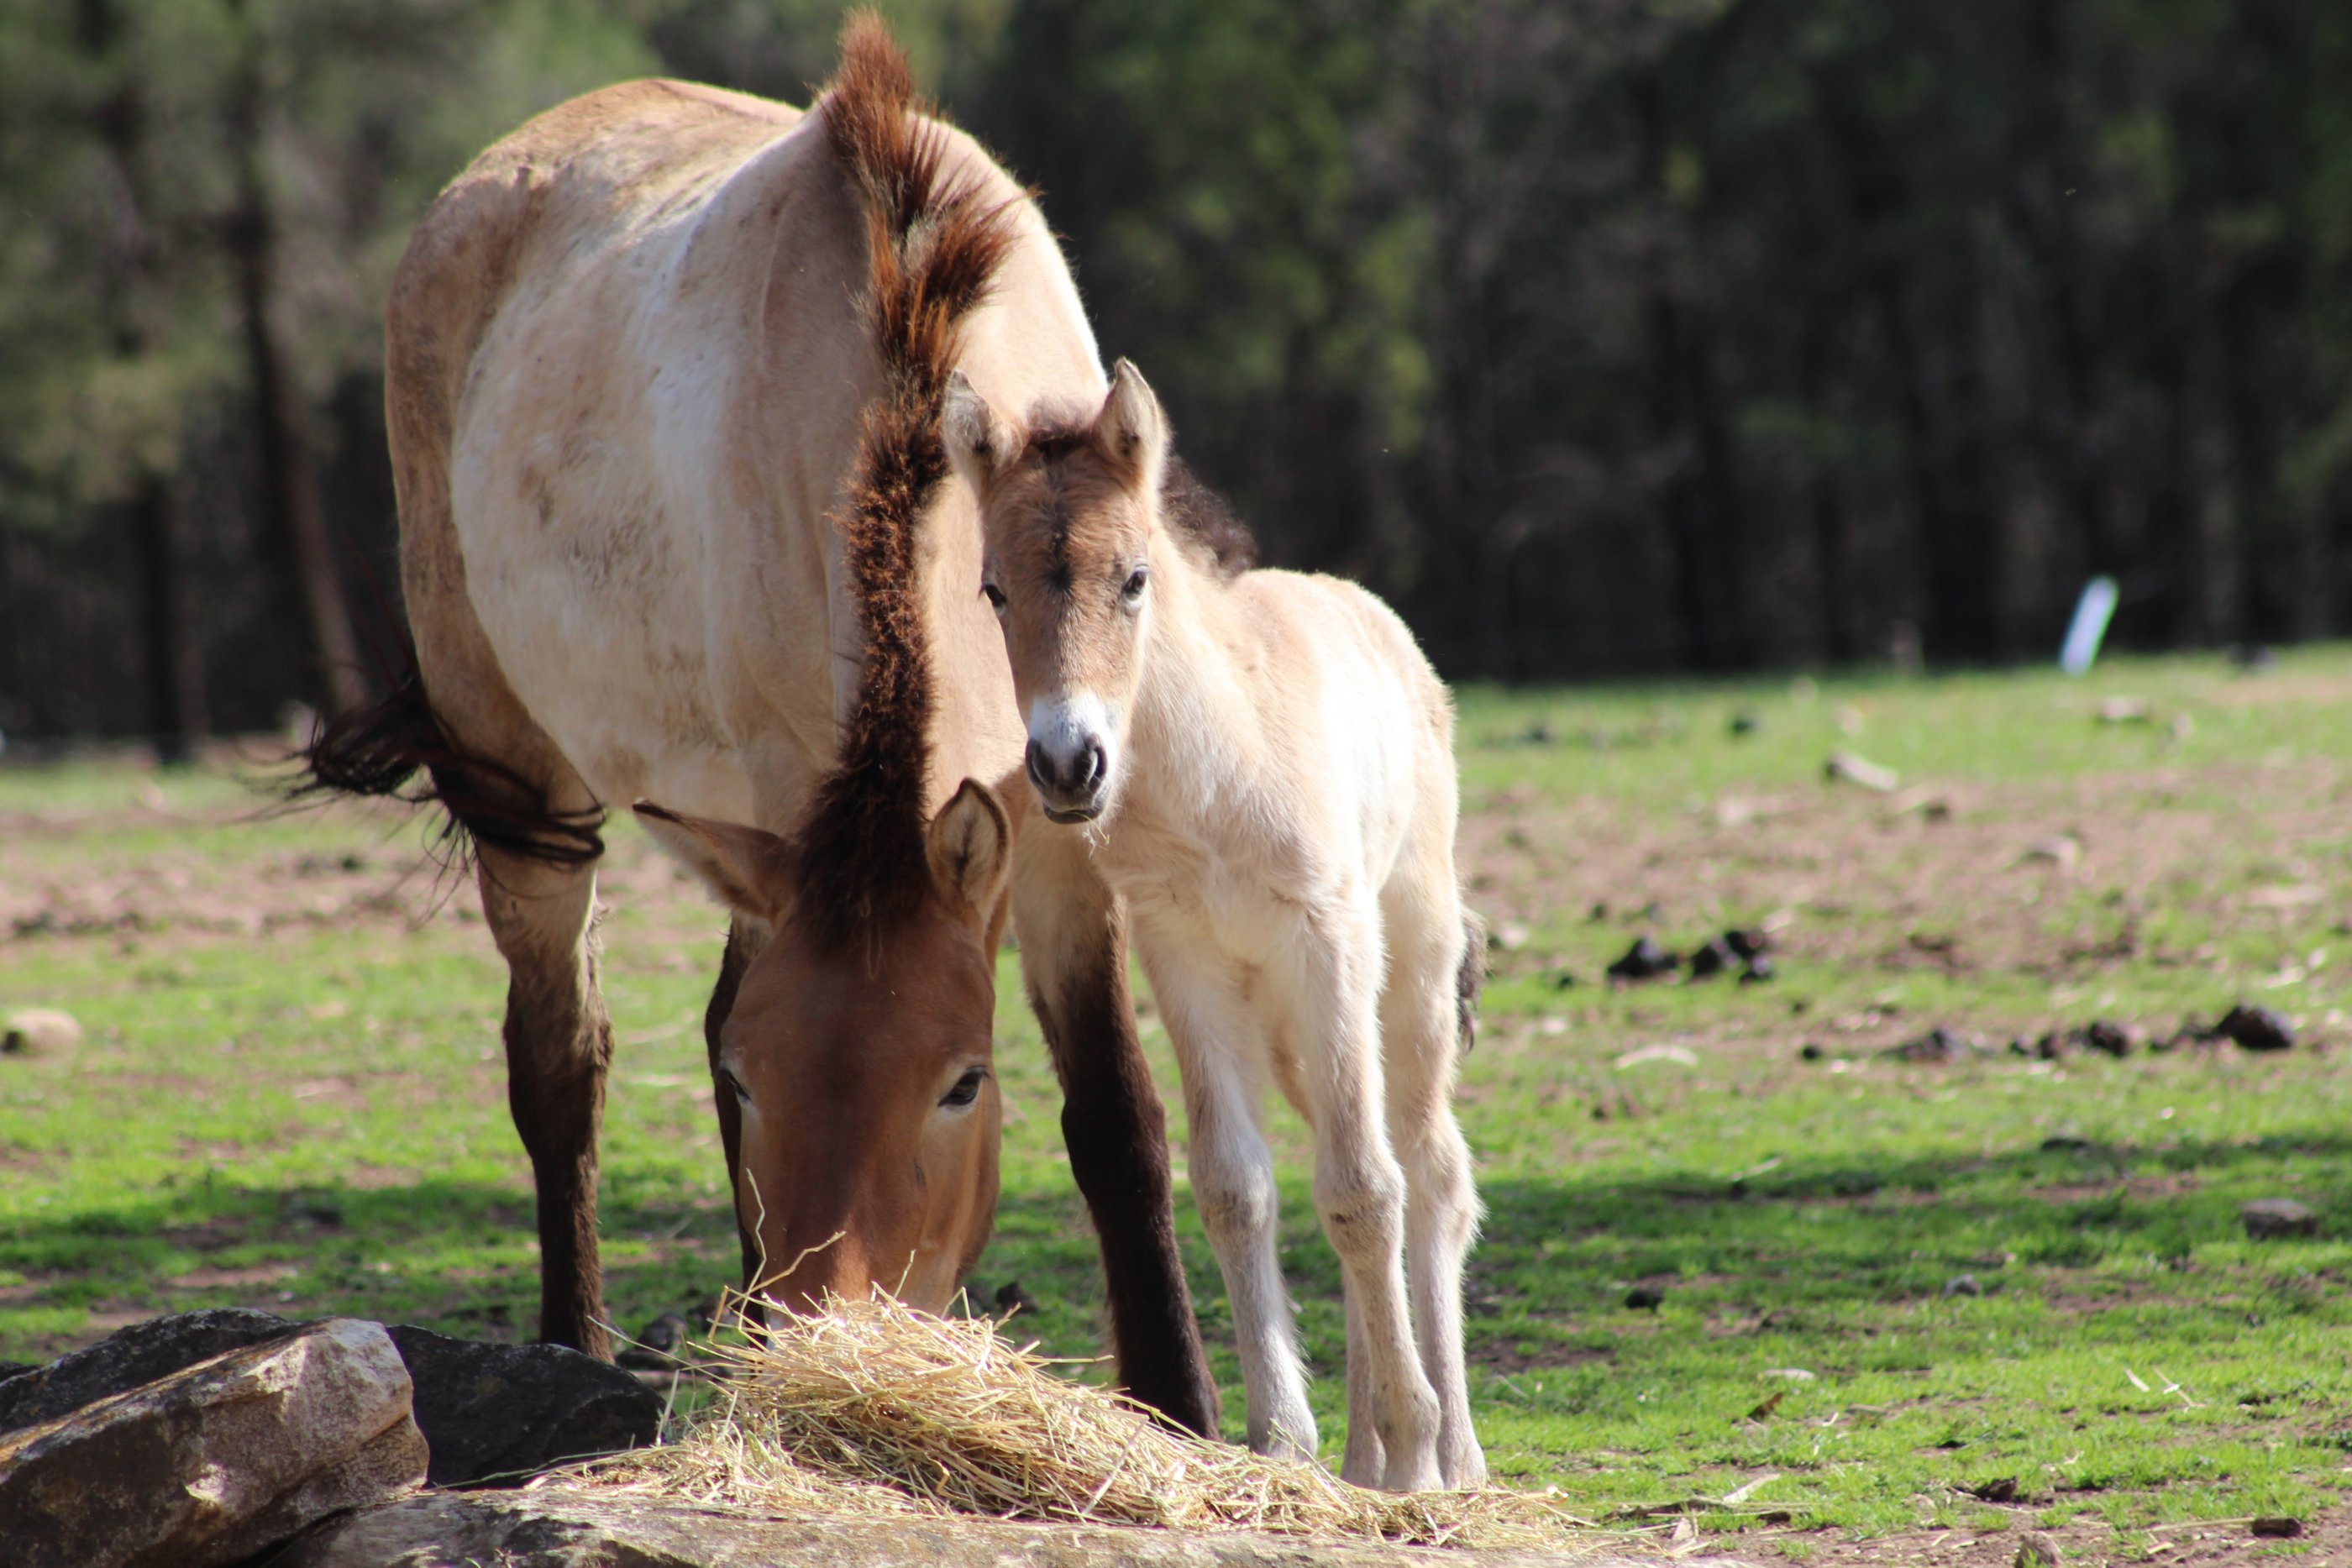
(1196, 722)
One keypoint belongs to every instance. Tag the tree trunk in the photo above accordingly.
(175, 690)
(293, 510)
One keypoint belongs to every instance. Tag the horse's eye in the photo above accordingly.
(994, 595)
(967, 1088)
(1135, 581)
(734, 1085)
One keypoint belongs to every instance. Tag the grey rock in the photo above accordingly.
(569, 1527)
(1963, 1285)
(2276, 1218)
(39, 1032)
(130, 1357)
(499, 1414)
(212, 1464)
(2038, 1549)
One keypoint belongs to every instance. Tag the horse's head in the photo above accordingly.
(1072, 537)
(857, 1083)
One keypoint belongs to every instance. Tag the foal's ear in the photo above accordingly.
(979, 444)
(971, 848)
(749, 870)
(1131, 433)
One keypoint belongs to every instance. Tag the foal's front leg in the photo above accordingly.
(1360, 1194)
(1220, 1045)
(1073, 959)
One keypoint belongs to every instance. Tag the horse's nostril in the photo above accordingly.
(1094, 763)
(1041, 771)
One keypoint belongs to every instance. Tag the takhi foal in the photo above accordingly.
(663, 371)
(1264, 762)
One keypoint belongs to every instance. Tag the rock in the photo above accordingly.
(2255, 1028)
(2038, 1549)
(1853, 767)
(1811, 1052)
(213, 1463)
(2276, 1528)
(1757, 971)
(2061, 850)
(2066, 1144)
(2111, 1038)
(497, 1413)
(1010, 1298)
(1963, 1285)
(2277, 1219)
(9, 1369)
(1712, 959)
(1508, 937)
(2127, 710)
(2000, 1489)
(39, 1032)
(1748, 942)
(659, 1345)
(1746, 722)
(1939, 1044)
(576, 1527)
(1645, 1298)
(130, 1357)
(1644, 960)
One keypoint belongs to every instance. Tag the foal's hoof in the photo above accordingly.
(1418, 1473)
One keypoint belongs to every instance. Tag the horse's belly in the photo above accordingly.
(593, 602)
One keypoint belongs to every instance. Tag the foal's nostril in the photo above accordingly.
(1041, 771)
(1092, 763)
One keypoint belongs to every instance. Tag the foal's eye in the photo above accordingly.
(967, 1088)
(994, 595)
(1133, 590)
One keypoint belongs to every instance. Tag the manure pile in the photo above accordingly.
(876, 1408)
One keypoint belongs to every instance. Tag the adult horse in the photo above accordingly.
(663, 371)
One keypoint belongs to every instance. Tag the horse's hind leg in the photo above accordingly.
(1425, 1014)
(559, 1044)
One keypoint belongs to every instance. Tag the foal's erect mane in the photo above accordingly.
(934, 242)
(1197, 515)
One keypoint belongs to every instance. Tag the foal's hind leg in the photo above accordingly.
(559, 1044)
(1425, 1014)
(1359, 1193)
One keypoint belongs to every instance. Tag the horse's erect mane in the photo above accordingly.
(934, 242)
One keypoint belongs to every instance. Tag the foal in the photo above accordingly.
(1266, 763)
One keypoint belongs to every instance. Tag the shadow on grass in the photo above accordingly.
(1819, 1234)
(456, 1255)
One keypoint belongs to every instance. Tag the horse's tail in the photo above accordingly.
(1470, 980)
(377, 750)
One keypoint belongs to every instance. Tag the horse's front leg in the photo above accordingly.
(1073, 959)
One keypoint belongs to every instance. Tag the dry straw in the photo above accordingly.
(876, 1408)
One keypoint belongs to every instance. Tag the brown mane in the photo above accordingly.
(933, 245)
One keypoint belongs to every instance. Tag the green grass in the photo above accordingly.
(292, 1096)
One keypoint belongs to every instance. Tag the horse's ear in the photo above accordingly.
(1131, 433)
(971, 848)
(749, 870)
(979, 444)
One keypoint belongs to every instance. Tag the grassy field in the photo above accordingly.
(1886, 1286)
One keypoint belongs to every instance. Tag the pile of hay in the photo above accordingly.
(876, 1408)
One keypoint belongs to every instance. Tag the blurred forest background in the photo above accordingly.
(1603, 336)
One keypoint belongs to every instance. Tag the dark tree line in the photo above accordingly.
(1603, 337)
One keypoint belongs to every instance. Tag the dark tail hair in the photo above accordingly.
(1470, 980)
(378, 750)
